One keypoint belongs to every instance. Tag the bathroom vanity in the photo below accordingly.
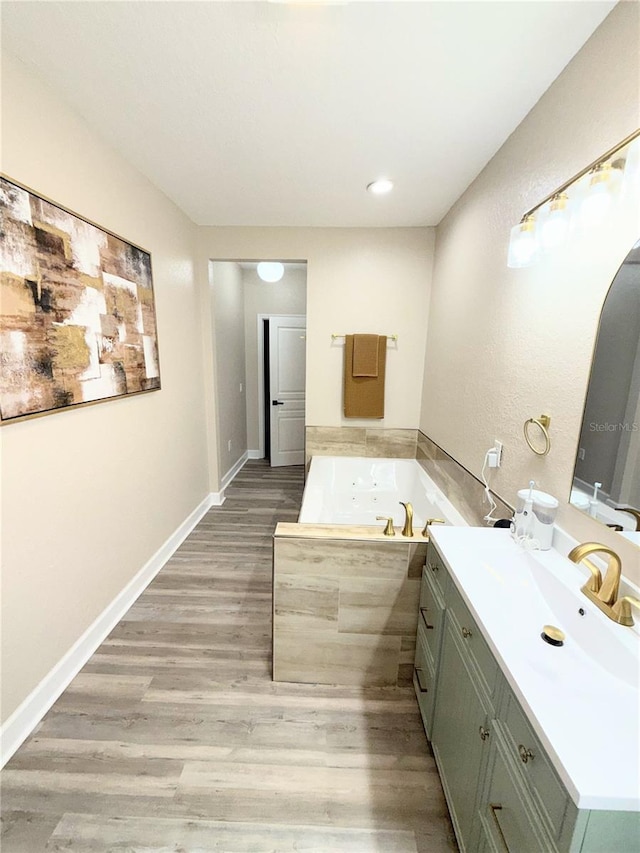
(537, 745)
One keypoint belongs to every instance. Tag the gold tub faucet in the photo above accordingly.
(407, 530)
(429, 522)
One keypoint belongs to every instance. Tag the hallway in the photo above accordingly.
(174, 738)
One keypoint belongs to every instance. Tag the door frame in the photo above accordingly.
(261, 400)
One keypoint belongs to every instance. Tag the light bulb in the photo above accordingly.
(270, 271)
(522, 244)
(380, 187)
(632, 167)
(597, 201)
(556, 225)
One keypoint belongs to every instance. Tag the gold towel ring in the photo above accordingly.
(542, 423)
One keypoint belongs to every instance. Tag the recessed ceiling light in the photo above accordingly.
(270, 271)
(380, 187)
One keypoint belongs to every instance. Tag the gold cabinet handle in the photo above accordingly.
(417, 672)
(495, 808)
(466, 633)
(525, 754)
(423, 611)
(484, 733)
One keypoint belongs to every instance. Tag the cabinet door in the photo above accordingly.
(505, 810)
(431, 617)
(460, 733)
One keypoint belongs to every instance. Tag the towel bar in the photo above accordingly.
(389, 337)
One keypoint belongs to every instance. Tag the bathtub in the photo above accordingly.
(354, 490)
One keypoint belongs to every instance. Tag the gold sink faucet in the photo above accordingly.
(407, 530)
(622, 609)
(632, 511)
(604, 594)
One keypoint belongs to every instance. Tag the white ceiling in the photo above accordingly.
(263, 113)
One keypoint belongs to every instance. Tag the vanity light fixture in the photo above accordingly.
(270, 271)
(597, 201)
(523, 243)
(632, 167)
(556, 225)
(604, 174)
(380, 187)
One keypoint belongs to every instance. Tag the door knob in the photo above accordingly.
(277, 403)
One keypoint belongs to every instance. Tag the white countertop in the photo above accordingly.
(582, 699)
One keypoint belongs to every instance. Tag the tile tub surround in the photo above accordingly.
(360, 441)
(345, 605)
(464, 490)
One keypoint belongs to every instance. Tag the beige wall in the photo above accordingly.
(89, 495)
(358, 280)
(227, 303)
(287, 296)
(505, 345)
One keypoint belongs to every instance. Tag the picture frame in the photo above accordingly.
(77, 310)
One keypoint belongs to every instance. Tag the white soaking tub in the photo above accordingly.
(353, 490)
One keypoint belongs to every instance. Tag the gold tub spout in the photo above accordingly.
(407, 530)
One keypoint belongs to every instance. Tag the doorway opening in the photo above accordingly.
(259, 363)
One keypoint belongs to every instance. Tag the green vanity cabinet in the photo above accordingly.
(503, 792)
(461, 730)
(507, 816)
(428, 641)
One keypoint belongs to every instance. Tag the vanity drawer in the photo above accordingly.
(431, 616)
(424, 681)
(539, 776)
(437, 569)
(473, 640)
(508, 819)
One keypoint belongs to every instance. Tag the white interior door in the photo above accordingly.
(287, 364)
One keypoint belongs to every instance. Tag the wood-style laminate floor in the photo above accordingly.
(174, 739)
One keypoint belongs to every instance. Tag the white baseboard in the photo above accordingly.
(216, 498)
(27, 716)
(255, 454)
(231, 473)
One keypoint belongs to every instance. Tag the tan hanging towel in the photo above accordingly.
(365, 355)
(364, 395)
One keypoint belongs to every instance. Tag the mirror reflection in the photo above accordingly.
(606, 482)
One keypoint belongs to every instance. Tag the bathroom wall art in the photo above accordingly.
(77, 312)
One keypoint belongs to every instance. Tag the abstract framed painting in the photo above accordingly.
(77, 310)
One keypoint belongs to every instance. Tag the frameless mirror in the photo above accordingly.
(606, 479)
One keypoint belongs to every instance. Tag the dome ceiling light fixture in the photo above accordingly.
(381, 186)
(270, 271)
